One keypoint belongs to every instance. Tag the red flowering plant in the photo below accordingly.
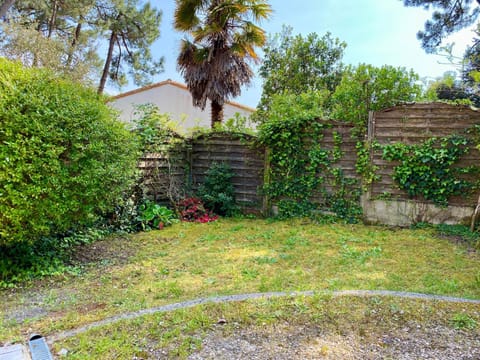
(192, 209)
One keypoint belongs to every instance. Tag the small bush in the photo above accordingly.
(66, 160)
(154, 216)
(217, 192)
(193, 210)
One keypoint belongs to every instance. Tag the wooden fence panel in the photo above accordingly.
(164, 172)
(346, 163)
(238, 151)
(413, 124)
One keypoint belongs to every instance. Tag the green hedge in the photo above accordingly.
(64, 159)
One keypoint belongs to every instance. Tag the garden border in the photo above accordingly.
(252, 296)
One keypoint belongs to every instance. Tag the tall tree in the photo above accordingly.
(448, 17)
(50, 34)
(131, 31)
(64, 35)
(366, 87)
(298, 64)
(222, 37)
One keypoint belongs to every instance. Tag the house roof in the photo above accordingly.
(173, 83)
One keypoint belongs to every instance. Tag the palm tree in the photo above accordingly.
(223, 37)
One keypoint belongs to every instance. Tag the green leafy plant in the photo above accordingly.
(155, 216)
(300, 166)
(217, 191)
(65, 159)
(463, 321)
(364, 166)
(48, 256)
(192, 210)
(428, 170)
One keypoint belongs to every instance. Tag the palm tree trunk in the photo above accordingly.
(108, 62)
(217, 114)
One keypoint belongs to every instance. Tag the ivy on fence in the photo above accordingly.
(428, 169)
(300, 165)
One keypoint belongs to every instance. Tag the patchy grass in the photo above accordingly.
(187, 261)
(371, 320)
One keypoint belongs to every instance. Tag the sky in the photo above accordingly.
(377, 32)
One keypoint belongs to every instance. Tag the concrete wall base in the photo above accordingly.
(406, 213)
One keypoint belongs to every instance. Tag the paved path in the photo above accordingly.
(14, 352)
(243, 297)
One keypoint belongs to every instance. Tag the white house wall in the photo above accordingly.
(177, 102)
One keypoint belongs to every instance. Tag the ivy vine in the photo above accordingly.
(300, 167)
(428, 169)
(364, 166)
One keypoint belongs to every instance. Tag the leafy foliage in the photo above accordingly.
(297, 64)
(448, 17)
(217, 191)
(299, 164)
(25, 43)
(48, 256)
(129, 42)
(428, 170)
(65, 159)
(367, 88)
(154, 216)
(69, 37)
(192, 210)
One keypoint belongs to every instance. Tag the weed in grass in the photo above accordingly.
(351, 253)
(237, 228)
(267, 235)
(262, 260)
(301, 307)
(463, 321)
(174, 290)
(164, 271)
(250, 274)
(295, 240)
(477, 280)
(285, 256)
(435, 284)
(210, 238)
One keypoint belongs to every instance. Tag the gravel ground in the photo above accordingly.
(309, 342)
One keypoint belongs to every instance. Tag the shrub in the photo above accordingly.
(154, 216)
(65, 159)
(217, 192)
(192, 210)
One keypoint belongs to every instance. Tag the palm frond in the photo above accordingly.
(214, 63)
(185, 17)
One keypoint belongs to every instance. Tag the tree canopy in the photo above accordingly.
(65, 36)
(296, 64)
(221, 37)
(365, 88)
(448, 17)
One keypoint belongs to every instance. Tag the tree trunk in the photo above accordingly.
(73, 45)
(53, 19)
(217, 114)
(108, 62)
(5, 6)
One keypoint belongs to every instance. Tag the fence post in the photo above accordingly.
(266, 181)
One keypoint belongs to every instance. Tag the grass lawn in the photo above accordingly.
(187, 261)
